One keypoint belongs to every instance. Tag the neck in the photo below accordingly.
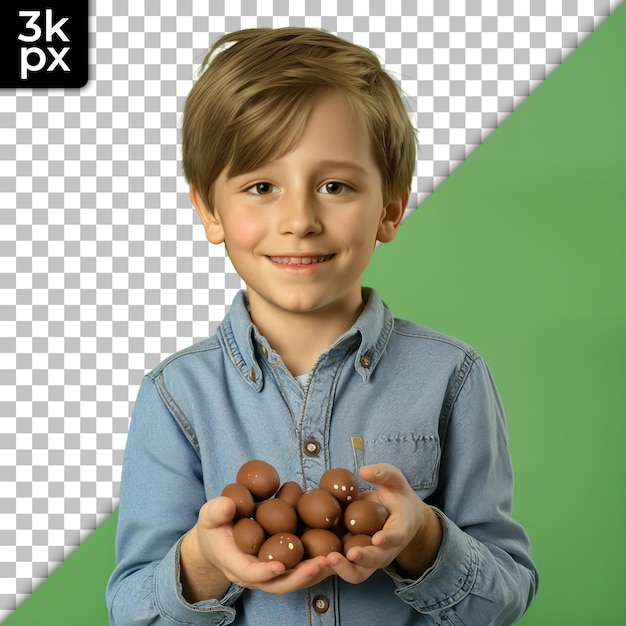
(299, 338)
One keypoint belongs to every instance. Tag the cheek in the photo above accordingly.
(243, 235)
(360, 228)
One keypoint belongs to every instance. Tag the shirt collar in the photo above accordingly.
(374, 326)
(371, 330)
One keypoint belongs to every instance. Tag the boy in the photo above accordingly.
(299, 154)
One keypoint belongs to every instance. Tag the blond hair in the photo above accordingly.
(253, 98)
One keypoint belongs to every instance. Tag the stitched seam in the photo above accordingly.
(453, 393)
(177, 412)
(417, 334)
(300, 430)
(329, 407)
(381, 344)
(416, 438)
(191, 350)
(236, 356)
(281, 388)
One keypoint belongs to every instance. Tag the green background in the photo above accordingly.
(522, 253)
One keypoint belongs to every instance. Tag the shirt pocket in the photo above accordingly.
(416, 456)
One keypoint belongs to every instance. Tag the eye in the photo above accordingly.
(335, 188)
(261, 189)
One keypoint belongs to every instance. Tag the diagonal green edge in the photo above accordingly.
(73, 595)
(521, 252)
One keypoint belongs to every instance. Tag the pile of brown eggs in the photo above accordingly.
(284, 523)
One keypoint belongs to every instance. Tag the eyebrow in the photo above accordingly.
(325, 164)
(345, 164)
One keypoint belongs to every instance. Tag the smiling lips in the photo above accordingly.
(300, 260)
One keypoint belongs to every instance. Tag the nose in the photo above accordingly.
(299, 215)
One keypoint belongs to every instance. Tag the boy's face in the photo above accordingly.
(301, 229)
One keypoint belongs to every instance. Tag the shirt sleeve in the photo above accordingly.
(145, 587)
(484, 573)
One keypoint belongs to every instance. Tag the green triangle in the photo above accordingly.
(551, 176)
(522, 253)
(73, 595)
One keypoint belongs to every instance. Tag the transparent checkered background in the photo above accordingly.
(104, 267)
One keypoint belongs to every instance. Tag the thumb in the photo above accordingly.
(217, 512)
(383, 474)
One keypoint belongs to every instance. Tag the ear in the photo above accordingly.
(391, 218)
(212, 225)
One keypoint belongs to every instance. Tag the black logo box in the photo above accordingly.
(43, 43)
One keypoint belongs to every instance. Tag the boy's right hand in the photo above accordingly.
(210, 560)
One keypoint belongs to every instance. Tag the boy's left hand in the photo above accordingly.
(411, 535)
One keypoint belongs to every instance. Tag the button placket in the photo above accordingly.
(314, 420)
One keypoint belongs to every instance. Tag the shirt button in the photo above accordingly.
(320, 604)
(311, 447)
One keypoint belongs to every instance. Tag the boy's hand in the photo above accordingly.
(210, 560)
(411, 535)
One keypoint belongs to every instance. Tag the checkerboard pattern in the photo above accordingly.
(104, 267)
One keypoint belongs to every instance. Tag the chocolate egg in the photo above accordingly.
(319, 509)
(260, 478)
(290, 492)
(350, 541)
(248, 535)
(277, 516)
(365, 517)
(342, 483)
(243, 499)
(283, 547)
(319, 542)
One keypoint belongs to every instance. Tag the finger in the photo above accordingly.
(217, 512)
(384, 474)
(372, 557)
(253, 573)
(304, 575)
(392, 537)
(353, 571)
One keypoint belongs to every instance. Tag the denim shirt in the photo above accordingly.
(418, 399)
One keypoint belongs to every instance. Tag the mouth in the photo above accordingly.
(301, 260)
